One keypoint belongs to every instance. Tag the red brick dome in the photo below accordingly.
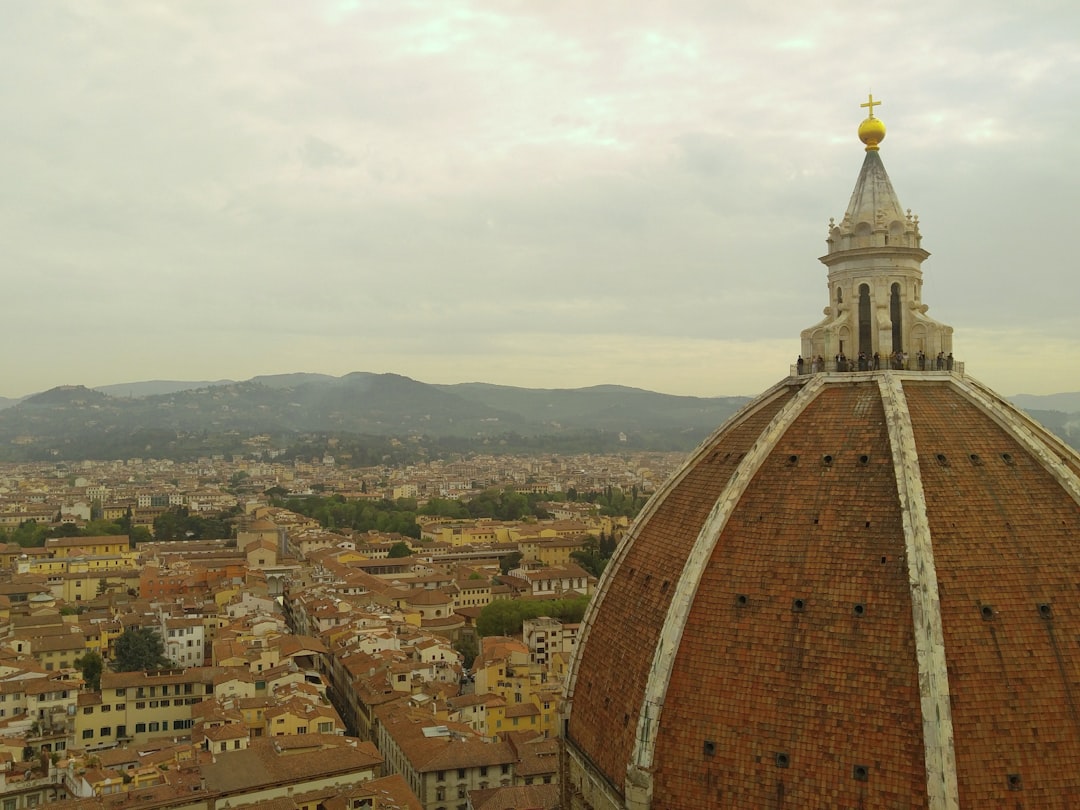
(862, 591)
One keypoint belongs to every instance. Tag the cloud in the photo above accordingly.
(490, 191)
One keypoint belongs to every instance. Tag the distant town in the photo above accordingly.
(298, 635)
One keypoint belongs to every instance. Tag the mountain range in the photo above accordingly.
(151, 417)
(75, 421)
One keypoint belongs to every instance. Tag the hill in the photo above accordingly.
(174, 419)
(73, 422)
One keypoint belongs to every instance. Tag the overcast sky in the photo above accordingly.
(545, 194)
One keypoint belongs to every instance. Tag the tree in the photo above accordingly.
(139, 649)
(91, 665)
(505, 616)
(590, 560)
(510, 561)
(29, 534)
(469, 649)
(400, 549)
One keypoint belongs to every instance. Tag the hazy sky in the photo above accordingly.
(546, 193)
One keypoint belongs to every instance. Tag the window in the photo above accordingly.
(155, 726)
(440, 794)
(440, 775)
(119, 707)
(483, 770)
(326, 728)
(140, 728)
(301, 729)
(88, 710)
(506, 769)
(460, 773)
(106, 731)
(461, 791)
(164, 703)
(88, 734)
(141, 704)
(9, 804)
(106, 708)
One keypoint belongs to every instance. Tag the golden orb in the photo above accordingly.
(872, 132)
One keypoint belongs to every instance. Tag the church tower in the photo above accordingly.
(875, 275)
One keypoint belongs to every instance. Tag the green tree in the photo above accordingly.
(91, 665)
(469, 649)
(139, 649)
(400, 549)
(141, 534)
(510, 561)
(590, 560)
(29, 534)
(505, 616)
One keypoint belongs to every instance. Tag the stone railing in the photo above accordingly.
(910, 364)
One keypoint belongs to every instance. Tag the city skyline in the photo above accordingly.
(541, 195)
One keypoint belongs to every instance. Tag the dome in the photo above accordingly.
(861, 591)
(861, 588)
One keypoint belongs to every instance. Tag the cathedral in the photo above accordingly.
(859, 592)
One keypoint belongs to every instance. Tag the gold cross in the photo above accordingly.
(871, 104)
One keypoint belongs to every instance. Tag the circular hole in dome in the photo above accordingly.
(792, 460)
(859, 609)
(884, 559)
(942, 460)
(860, 772)
(1007, 458)
(1015, 782)
(741, 599)
(1044, 610)
(987, 612)
(864, 459)
(782, 760)
(798, 605)
(826, 460)
(975, 458)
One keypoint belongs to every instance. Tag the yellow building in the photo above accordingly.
(503, 668)
(138, 706)
(300, 717)
(552, 551)
(104, 546)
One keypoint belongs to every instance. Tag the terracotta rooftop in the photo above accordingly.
(858, 581)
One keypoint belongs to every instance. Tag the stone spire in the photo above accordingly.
(875, 261)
